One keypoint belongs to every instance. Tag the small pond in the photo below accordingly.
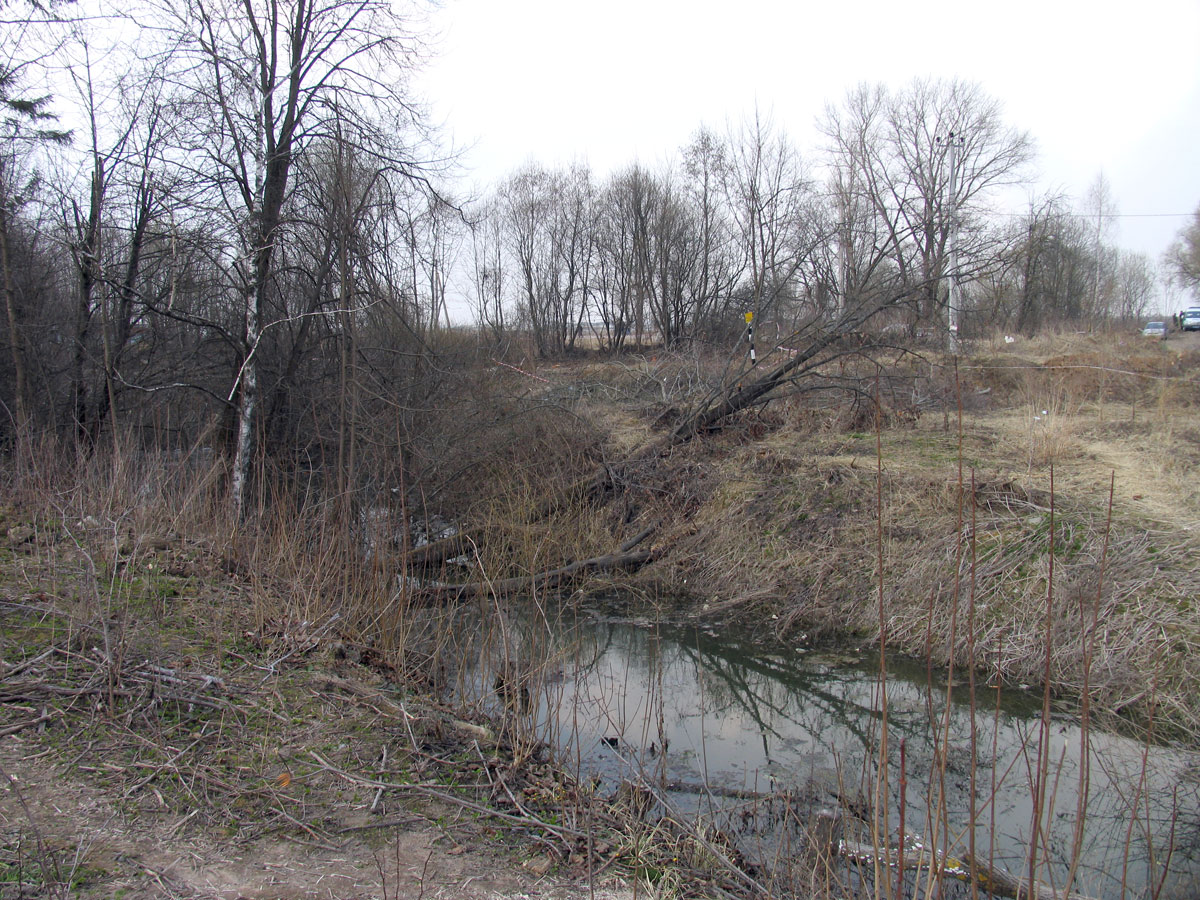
(725, 723)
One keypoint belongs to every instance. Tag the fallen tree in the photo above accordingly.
(549, 580)
(740, 392)
(822, 342)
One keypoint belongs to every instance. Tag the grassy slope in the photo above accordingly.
(778, 520)
(160, 736)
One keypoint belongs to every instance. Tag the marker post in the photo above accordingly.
(750, 336)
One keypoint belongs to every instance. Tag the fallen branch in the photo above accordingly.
(543, 581)
(374, 698)
(18, 668)
(563, 832)
(393, 822)
(992, 879)
(715, 790)
(436, 553)
(433, 554)
(29, 723)
(637, 538)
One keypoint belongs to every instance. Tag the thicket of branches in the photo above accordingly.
(235, 247)
(247, 242)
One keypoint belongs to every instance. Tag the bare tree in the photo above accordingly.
(704, 165)
(109, 234)
(26, 123)
(1183, 256)
(434, 237)
(1043, 272)
(863, 236)
(674, 258)
(548, 220)
(648, 257)
(524, 202)
(489, 271)
(1133, 287)
(621, 256)
(861, 259)
(893, 150)
(768, 192)
(1100, 209)
(257, 79)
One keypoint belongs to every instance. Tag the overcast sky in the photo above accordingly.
(1100, 86)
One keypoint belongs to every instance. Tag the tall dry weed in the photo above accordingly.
(1052, 431)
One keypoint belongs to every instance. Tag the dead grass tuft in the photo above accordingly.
(1147, 620)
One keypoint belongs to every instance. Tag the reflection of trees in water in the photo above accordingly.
(834, 702)
(820, 700)
(782, 697)
(793, 700)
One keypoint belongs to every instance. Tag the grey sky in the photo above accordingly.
(1112, 87)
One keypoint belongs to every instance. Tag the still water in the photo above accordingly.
(725, 721)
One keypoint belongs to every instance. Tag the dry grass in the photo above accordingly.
(776, 520)
(1139, 590)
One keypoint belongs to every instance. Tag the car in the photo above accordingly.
(1156, 330)
(1189, 320)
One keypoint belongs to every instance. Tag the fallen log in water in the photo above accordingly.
(989, 878)
(688, 787)
(626, 561)
(437, 552)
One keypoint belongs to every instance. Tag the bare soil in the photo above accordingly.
(96, 848)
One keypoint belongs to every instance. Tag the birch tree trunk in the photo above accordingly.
(263, 72)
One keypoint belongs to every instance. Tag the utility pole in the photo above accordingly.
(845, 246)
(1096, 268)
(954, 142)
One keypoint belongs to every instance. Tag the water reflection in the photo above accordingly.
(736, 720)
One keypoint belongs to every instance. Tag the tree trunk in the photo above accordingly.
(16, 343)
(242, 454)
(87, 262)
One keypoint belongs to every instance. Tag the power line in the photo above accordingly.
(1074, 215)
(1078, 215)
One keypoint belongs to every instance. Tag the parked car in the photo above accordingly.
(1190, 319)
(1156, 330)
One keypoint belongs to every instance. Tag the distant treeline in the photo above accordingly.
(250, 240)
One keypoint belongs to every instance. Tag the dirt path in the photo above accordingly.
(92, 845)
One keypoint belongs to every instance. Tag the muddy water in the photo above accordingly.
(725, 722)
